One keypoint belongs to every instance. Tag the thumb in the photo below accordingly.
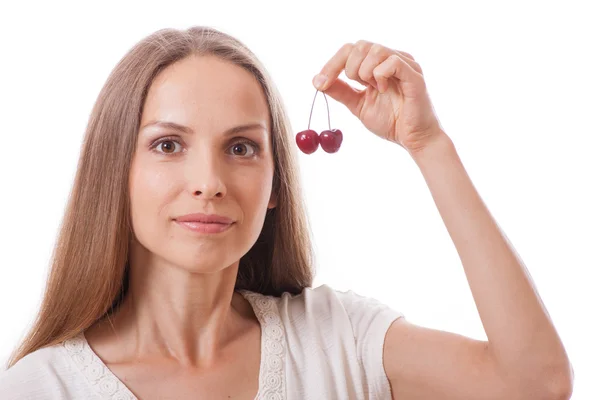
(342, 92)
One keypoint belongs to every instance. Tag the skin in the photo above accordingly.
(181, 298)
(523, 357)
(181, 317)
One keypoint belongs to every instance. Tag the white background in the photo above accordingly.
(515, 85)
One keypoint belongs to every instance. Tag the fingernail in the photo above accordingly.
(319, 80)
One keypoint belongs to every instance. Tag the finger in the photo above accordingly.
(365, 56)
(395, 66)
(410, 60)
(356, 58)
(336, 64)
(377, 55)
(346, 94)
(406, 54)
(339, 62)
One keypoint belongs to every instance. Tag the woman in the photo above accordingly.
(184, 266)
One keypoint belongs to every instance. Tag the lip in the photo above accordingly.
(205, 227)
(205, 223)
(205, 218)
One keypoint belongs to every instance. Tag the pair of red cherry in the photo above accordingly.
(330, 140)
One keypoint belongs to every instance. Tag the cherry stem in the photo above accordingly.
(313, 105)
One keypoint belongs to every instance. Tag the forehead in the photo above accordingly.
(207, 89)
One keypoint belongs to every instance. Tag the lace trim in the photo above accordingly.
(272, 377)
(104, 382)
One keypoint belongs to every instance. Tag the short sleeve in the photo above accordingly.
(370, 320)
(31, 379)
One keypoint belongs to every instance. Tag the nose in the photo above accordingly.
(204, 176)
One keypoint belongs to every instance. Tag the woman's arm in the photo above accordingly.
(524, 356)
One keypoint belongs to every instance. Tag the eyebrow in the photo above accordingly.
(189, 131)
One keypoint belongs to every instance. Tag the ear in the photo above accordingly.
(272, 201)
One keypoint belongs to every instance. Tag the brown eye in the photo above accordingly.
(166, 146)
(241, 148)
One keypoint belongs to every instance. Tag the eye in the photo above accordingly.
(166, 146)
(241, 146)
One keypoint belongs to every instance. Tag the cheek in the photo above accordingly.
(255, 182)
(255, 196)
(152, 180)
(150, 188)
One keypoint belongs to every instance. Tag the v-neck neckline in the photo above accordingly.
(271, 376)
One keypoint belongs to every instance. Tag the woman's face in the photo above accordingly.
(204, 170)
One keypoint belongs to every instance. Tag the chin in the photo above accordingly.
(205, 263)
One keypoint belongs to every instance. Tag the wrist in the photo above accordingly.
(440, 144)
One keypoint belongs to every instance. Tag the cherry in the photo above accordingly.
(307, 141)
(331, 140)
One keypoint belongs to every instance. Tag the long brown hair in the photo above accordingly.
(88, 277)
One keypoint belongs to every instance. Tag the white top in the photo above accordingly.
(319, 344)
